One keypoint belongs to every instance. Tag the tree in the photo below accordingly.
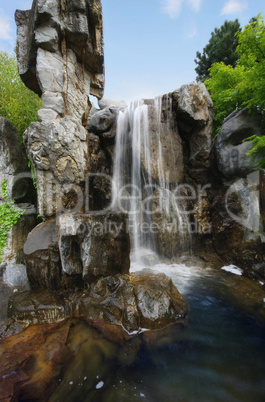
(17, 103)
(221, 48)
(242, 86)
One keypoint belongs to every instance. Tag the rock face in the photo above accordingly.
(77, 250)
(13, 163)
(172, 236)
(237, 228)
(60, 57)
(229, 153)
(140, 300)
(165, 143)
(195, 113)
(102, 241)
(14, 169)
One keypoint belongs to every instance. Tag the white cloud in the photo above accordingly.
(234, 6)
(195, 4)
(5, 28)
(173, 7)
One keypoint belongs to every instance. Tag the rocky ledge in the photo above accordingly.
(135, 302)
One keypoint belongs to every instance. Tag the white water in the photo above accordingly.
(133, 177)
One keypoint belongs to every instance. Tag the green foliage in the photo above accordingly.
(17, 103)
(242, 86)
(257, 153)
(9, 215)
(221, 48)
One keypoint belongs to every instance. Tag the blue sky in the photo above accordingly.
(150, 45)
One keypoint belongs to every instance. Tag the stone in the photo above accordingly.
(58, 151)
(110, 299)
(228, 149)
(44, 307)
(104, 103)
(227, 233)
(103, 123)
(236, 214)
(15, 275)
(195, 113)
(165, 142)
(262, 196)
(13, 163)
(54, 101)
(172, 226)
(42, 256)
(48, 27)
(102, 243)
(60, 56)
(142, 300)
(17, 235)
(158, 300)
(47, 114)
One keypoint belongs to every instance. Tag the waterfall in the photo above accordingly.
(140, 181)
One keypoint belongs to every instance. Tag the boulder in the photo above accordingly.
(228, 150)
(104, 103)
(158, 301)
(42, 256)
(140, 300)
(195, 113)
(103, 123)
(102, 243)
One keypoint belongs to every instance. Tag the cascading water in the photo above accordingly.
(140, 183)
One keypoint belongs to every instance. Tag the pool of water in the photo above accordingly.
(220, 356)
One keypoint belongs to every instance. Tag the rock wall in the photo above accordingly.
(60, 57)
(14, 168)
(237, 199)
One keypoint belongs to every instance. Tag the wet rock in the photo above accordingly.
(102, 241)
(40, 307)
(110, 299)
(32, 361)
(158, 300)
(140, 300)
(229, 153)
(227, 233)
(165, 143)
(170, 224)
(195, 113)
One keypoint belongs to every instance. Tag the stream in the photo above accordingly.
(219, 356)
